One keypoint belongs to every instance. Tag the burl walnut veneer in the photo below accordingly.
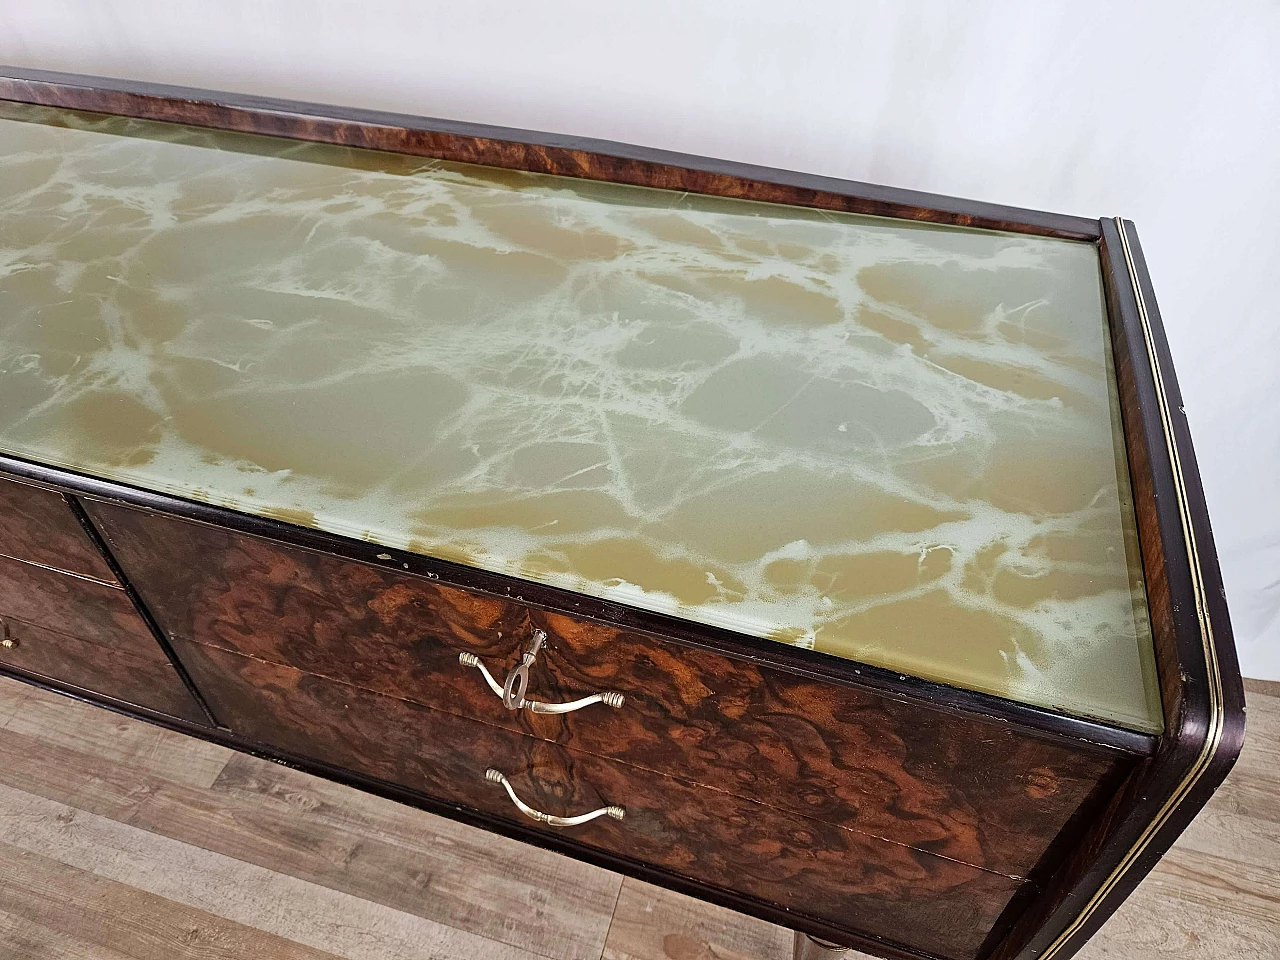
(831, 552)
(964, 787)
(59, 621)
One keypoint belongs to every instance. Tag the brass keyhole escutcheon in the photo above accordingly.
(513, 691)
(518, 679)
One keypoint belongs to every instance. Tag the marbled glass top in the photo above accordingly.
(886, 441)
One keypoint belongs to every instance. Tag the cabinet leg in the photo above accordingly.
(807, 948)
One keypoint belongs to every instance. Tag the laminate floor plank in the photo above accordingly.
(1261, 755)
(245, 894)
(402, 857)
(61, 720)
(1194, 907)
(24, 940)
(12, 695)
(50, 909)
(1269, 688)
(651, 923)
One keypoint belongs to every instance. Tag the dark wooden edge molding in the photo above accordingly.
(552, 153)
(1201, 688)
(557, 843)
(1033, 721)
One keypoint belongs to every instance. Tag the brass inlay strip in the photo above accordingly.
(66, 573)
(1216, 711)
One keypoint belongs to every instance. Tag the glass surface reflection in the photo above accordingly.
(886, 441)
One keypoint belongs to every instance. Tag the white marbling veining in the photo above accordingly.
(887, 441)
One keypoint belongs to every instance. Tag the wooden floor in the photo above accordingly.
(121, 841)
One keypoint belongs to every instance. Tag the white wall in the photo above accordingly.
(1167, 113)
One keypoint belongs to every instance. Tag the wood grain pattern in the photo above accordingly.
(519, 149)
(1144, 445)
(25, 940)
(965, 788)
(655, 924)
(61, 723)
(117, 920)
(86, 633)
(69, 605)
(37, 525)
(871, 886)
(1215, 894)
(145, 680)
(256, 901)
(962, 787)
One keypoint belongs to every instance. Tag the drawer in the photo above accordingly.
(143, 680)
(67, 604)
(70, 605)
(963, 787)
(858, 882)
(38, 525)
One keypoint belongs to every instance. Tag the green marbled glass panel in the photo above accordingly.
(891, 442)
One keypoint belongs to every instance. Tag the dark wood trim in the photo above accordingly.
(556, 843)
(1034, 721)
(552, 153)
(92, 533)
(1204, 727)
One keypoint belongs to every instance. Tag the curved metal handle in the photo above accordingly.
(7, 640)
(512, 693)
(495, 776)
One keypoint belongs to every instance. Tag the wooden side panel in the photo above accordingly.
(868, 885)
(143, 680)
(37, 525)
(963, 787)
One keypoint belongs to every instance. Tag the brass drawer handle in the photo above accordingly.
(512, 693)
(495, 776)
(7, 640)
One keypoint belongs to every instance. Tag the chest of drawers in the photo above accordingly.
(830, 552)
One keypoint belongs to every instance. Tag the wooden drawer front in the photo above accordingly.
(962, 787)
(38, 525)
(70, 605)
(142, 680)
(858, 882)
